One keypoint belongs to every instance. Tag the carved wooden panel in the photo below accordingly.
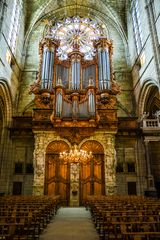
(56, 177)
(92, 173)
(56, 147)
(57, 173)
(93, 146)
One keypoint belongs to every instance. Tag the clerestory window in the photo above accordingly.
(137, 25)
(15, 24)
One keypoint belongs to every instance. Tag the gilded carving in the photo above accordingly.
(115, 87)
(75, 135)
(34, 88)
(44, 100)
(106, 101)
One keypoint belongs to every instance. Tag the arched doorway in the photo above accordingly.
(74, 181)
(57, 173)
(92, 174)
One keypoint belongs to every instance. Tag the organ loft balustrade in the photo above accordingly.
(150, 124)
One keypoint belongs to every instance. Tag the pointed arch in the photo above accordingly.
(46, 10)
(148, 89)
(6, 102)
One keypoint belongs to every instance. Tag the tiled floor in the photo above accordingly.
(70, 224)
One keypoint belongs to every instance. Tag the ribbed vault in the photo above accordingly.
(104, 12)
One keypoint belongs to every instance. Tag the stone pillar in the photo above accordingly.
(150, 179)
(110, 163)
(39, 164)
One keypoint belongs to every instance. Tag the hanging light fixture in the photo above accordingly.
(75, 156)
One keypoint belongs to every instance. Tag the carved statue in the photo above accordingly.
(115, 88)
(34, 88)
(157, 114)
(144, 116)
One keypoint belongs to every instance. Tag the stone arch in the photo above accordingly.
(152, 103)
(5, 120)
(148, 86)
(108, 16)
(5, 102)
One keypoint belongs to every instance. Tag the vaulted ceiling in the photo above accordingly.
(112, 11)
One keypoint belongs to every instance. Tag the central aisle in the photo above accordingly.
(70, 224)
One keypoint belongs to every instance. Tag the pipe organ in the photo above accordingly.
(77, 87)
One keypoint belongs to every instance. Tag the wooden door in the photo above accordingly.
(92, 173)
(57, 173)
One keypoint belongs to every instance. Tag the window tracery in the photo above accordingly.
(76, 32)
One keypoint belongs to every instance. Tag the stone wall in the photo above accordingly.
(10, 75)
(149, 70)
(42, 139)
(130, 151)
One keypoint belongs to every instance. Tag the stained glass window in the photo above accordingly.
(76, 32)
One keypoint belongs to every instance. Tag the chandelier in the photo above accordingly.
(75, 156)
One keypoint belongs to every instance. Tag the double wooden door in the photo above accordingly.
(89, 178)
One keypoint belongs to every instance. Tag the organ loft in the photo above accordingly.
(75, 105)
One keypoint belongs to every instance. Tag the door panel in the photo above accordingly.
(56, 173)
(91, 179)
(57, 178)
(92, 174)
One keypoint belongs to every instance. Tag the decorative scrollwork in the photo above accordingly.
(34, 88)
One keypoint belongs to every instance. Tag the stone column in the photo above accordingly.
(110, 163)
(150, 179)
(39, 164)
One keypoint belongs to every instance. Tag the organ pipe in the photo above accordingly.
(104, 66)
(76, 70)
(47, 68)
(59, 104)
(91, 103)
